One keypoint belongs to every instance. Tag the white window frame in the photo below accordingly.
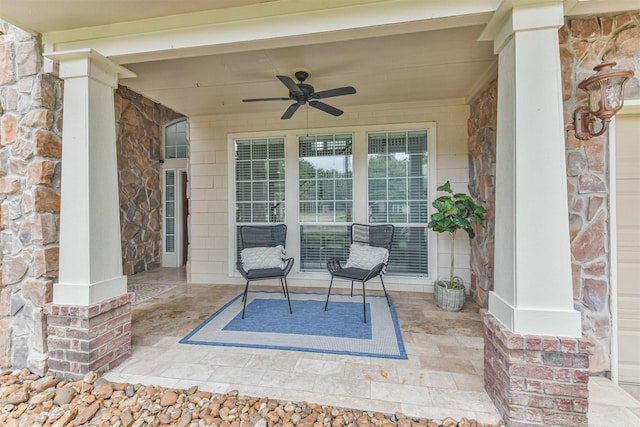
(233, 148)
(179, 166)
(301, 223)
(360, 191)
(164, 142)
(173, 259)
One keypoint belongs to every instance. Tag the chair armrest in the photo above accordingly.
(375, 271)
(333, 265)
(288, 264)
(241, 269)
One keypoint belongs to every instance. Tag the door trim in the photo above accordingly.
(174, 259)
(632, 107)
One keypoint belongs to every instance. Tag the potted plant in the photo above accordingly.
(453, 212)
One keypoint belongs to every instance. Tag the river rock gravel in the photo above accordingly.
(28, 400)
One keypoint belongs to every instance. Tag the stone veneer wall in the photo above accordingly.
(30, 153)
(30, 170)
(481, 128)
(583, 43)
(139, 127)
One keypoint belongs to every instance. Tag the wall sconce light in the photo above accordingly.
(606, 96)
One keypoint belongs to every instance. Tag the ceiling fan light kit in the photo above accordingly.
(303, 93)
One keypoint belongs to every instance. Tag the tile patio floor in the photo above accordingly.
(443, 376)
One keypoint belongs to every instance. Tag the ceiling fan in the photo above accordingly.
(303, 93)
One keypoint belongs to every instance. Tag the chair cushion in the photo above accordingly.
(263, 273)
(262, 257)
(366, 257)
(351, 273)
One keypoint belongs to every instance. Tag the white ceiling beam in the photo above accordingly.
(267, 25)
(598, 7)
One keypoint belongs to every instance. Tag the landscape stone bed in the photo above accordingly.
(28, 400)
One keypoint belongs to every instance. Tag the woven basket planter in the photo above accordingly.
(448, 299)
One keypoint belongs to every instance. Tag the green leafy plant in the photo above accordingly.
(455, 212)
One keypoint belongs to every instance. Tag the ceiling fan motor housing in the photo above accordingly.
(306, 89)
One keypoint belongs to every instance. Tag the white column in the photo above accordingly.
(533, 292)
(90, 251)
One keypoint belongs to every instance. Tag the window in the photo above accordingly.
(176, 145)
(397, 193)
(325, 197)
(260, 180)
(361, 174)
(170, 210)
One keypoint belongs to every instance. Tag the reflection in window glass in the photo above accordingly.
(325, 170)
(320, 243)
(397, 184)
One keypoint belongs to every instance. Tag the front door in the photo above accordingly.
(185, 217)
(628, 245)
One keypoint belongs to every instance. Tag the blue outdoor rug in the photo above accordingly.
(267, 323)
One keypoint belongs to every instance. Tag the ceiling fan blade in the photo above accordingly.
(292, 109)
(290, 84)
(326, 108)
(265, 99)
(347, 90)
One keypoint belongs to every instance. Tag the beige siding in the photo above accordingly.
(209, 260)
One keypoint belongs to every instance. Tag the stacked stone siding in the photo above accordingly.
(88, 338)
(30, 171)
(481, 128)
(30, 153)
(583, 44)
(139, 127)
(536, 380)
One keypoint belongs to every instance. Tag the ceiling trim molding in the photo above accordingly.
(483, 81)
(598, 7)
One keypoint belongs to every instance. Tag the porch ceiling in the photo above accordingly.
(415, 59)
(427, 59)
(430, 65)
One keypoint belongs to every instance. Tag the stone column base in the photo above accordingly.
(88, 338)
(536, 380)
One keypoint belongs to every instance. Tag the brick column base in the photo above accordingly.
(88, 338)
(536, 380)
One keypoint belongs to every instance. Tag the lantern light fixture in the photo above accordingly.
(605, 91)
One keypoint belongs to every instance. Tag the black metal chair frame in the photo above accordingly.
(252, 236)
(367, 235)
